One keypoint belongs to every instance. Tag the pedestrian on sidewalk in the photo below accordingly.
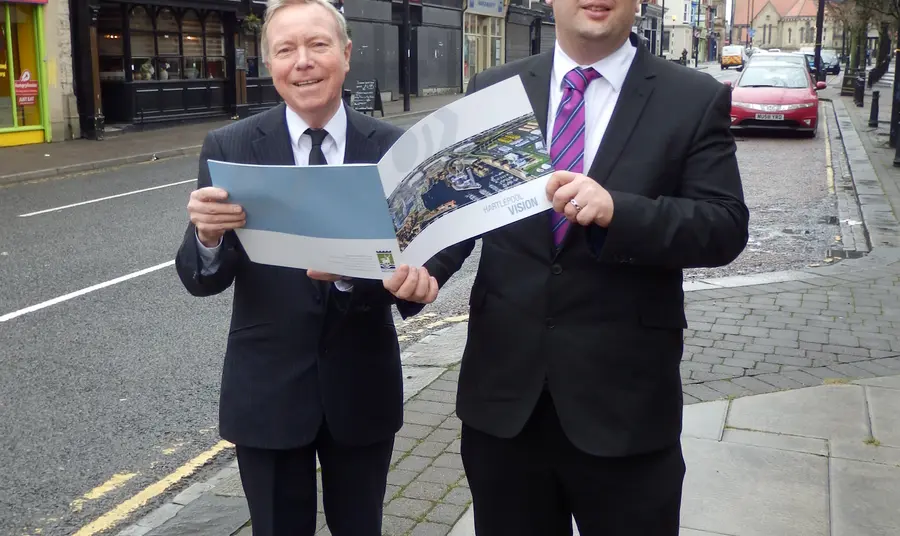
(312, 365)
(569, 389)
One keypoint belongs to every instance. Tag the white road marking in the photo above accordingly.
(15, 314)
(104, 198)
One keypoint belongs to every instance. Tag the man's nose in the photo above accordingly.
(304, 60)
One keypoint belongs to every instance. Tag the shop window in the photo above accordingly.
(214, 36)
(192, 40)
(256, 67)
(19, 104)
(168, 49)
(6, 107)
(111, 43)
(143, 45)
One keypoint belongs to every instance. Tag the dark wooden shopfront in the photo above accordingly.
(142, 63)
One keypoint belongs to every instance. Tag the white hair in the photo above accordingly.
(273, 6)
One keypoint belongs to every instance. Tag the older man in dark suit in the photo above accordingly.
(569, 390)
(312, 365)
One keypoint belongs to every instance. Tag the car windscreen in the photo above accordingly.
(799, 60)
(787, 76)
(829, 56)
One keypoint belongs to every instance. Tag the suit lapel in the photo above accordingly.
(273, 146)
(359, 149)
(633, 97)
(536, 81)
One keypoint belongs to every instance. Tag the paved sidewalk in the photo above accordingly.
(32, 162)
(819, 461)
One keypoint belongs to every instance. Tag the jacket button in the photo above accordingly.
(550, 324)
(556, 269)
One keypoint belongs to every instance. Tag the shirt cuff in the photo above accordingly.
(343, 285)
(209, 257)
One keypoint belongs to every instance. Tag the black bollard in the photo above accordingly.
(897, 155)
(873, 113)
(859, 89)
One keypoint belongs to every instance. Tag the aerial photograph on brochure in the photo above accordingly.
(473, 169)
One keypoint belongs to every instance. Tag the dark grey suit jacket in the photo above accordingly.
(601, 319)
(299, 350)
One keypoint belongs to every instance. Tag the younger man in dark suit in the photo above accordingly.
(312, 365)
(569, 390)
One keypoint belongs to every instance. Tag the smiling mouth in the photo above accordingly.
(307, 83)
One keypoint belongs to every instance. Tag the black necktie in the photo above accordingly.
(316, 156)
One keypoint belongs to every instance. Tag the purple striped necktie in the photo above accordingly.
(567, 143)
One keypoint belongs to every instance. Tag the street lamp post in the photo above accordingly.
(407, 83)
(820, 20)
(662, 29)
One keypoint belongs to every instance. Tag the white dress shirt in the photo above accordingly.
(600, 98)
(333, 147)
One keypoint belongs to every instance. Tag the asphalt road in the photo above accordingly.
(785, 188)
(124, 380)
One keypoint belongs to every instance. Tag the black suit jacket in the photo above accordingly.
(601, 320)
(299, 350)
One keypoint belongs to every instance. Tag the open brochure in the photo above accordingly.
(472, 166)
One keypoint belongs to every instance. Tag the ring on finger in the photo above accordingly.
(576, 205)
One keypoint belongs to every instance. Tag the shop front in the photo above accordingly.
(484, 31)
(23, 81)
(152, 63)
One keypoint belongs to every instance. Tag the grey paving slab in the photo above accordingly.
(864, 499)
(827, 411)
(884, 413)
(438, 350)
(886, 382)
(794, 443)
(417, 378)
(754, 491)
(210, 515)
(865, 451)
(705, 420)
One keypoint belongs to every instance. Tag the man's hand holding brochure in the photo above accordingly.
(470, 167)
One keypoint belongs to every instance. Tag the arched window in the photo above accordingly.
(214, 35)
(168, 47)
(143, 45)
(110, 42)
(192, 43)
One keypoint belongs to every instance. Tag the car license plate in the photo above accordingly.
(770, 117)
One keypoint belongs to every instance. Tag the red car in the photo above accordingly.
(775, 96)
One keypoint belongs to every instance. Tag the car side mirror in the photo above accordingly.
(727, 83)
(821, 85)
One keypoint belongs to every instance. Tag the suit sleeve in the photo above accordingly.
(188, 263)
(705, 224)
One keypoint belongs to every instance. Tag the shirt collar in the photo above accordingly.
(336, 126)
(614, 68)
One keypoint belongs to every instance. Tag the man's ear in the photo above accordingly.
(347, 51)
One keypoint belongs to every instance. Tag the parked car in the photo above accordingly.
(775, 96)
(831, 63)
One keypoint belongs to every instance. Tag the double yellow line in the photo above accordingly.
(123, 510)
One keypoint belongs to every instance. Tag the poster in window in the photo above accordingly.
(26, 90)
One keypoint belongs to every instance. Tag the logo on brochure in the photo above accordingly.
(386, 261)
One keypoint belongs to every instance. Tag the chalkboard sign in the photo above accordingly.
(367, 97)
(240, 59)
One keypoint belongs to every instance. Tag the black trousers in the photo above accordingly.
(534, 483)
(281, 487)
